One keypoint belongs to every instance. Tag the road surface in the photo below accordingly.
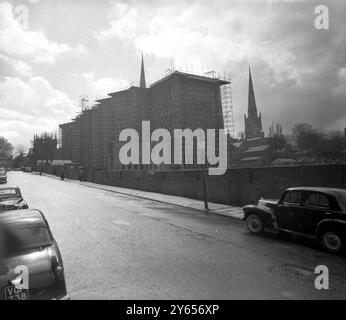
(121, 247)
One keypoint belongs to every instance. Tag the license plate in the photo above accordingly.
(12, 293)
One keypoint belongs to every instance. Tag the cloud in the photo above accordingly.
(202, 33)
(297, 70)
(30, 45)
(100, 87)
(14, 66)
(28, 106)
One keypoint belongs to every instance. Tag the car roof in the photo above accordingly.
(8, 187)
(23, 217)
(329, 191)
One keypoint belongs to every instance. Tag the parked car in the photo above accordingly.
(26, 242)
(319, 213)
(11, 199)
(27, 169)
(3, 176)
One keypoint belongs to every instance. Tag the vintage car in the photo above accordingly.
(31, 267)
(310, 211)
(11, 199)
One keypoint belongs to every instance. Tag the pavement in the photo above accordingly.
(214, 208)
(233, 212)
(120, 246)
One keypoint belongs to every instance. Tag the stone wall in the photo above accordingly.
(237, 187)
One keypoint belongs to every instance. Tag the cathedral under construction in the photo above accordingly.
(178, 101)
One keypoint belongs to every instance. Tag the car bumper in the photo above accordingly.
(67, 297)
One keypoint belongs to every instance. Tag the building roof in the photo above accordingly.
(262, 147)
(66, 124)
(190, 76)
(104, 99)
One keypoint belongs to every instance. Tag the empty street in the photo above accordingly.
(116, 246)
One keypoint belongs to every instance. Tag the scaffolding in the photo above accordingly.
(227, 105)
(84, 103)
(226, 101)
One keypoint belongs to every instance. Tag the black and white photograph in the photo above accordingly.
(172, 151)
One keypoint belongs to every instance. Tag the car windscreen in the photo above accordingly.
(9, 193)
(16, 239)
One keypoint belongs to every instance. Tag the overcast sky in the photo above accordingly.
(93, 47)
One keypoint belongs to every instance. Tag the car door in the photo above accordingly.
(317, 207)
(287, 209)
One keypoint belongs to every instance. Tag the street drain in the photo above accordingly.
(290, 271)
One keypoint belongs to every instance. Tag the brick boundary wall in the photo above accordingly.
(239, 186)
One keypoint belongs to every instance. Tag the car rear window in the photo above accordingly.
(10, 192)
(16, 239)
(316, 199)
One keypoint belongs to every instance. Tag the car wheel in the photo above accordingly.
(254, 224)
(332, 241)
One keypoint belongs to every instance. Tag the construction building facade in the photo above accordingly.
(177, 101)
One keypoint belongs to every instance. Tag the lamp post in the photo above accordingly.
(205, 189)
(201, 148)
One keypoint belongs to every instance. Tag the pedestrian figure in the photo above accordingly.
(62, 175)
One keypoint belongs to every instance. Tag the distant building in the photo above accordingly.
(66, 140)
(254, 149)
(253, 121)
(45, 147)
(178, 101)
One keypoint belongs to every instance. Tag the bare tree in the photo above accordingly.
(307, 138)
(6, 148)
(20, 150)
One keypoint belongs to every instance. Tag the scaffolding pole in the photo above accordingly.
(227, 105)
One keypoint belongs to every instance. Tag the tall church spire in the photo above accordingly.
(252, 108)
(142, 80)
(253, 122)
